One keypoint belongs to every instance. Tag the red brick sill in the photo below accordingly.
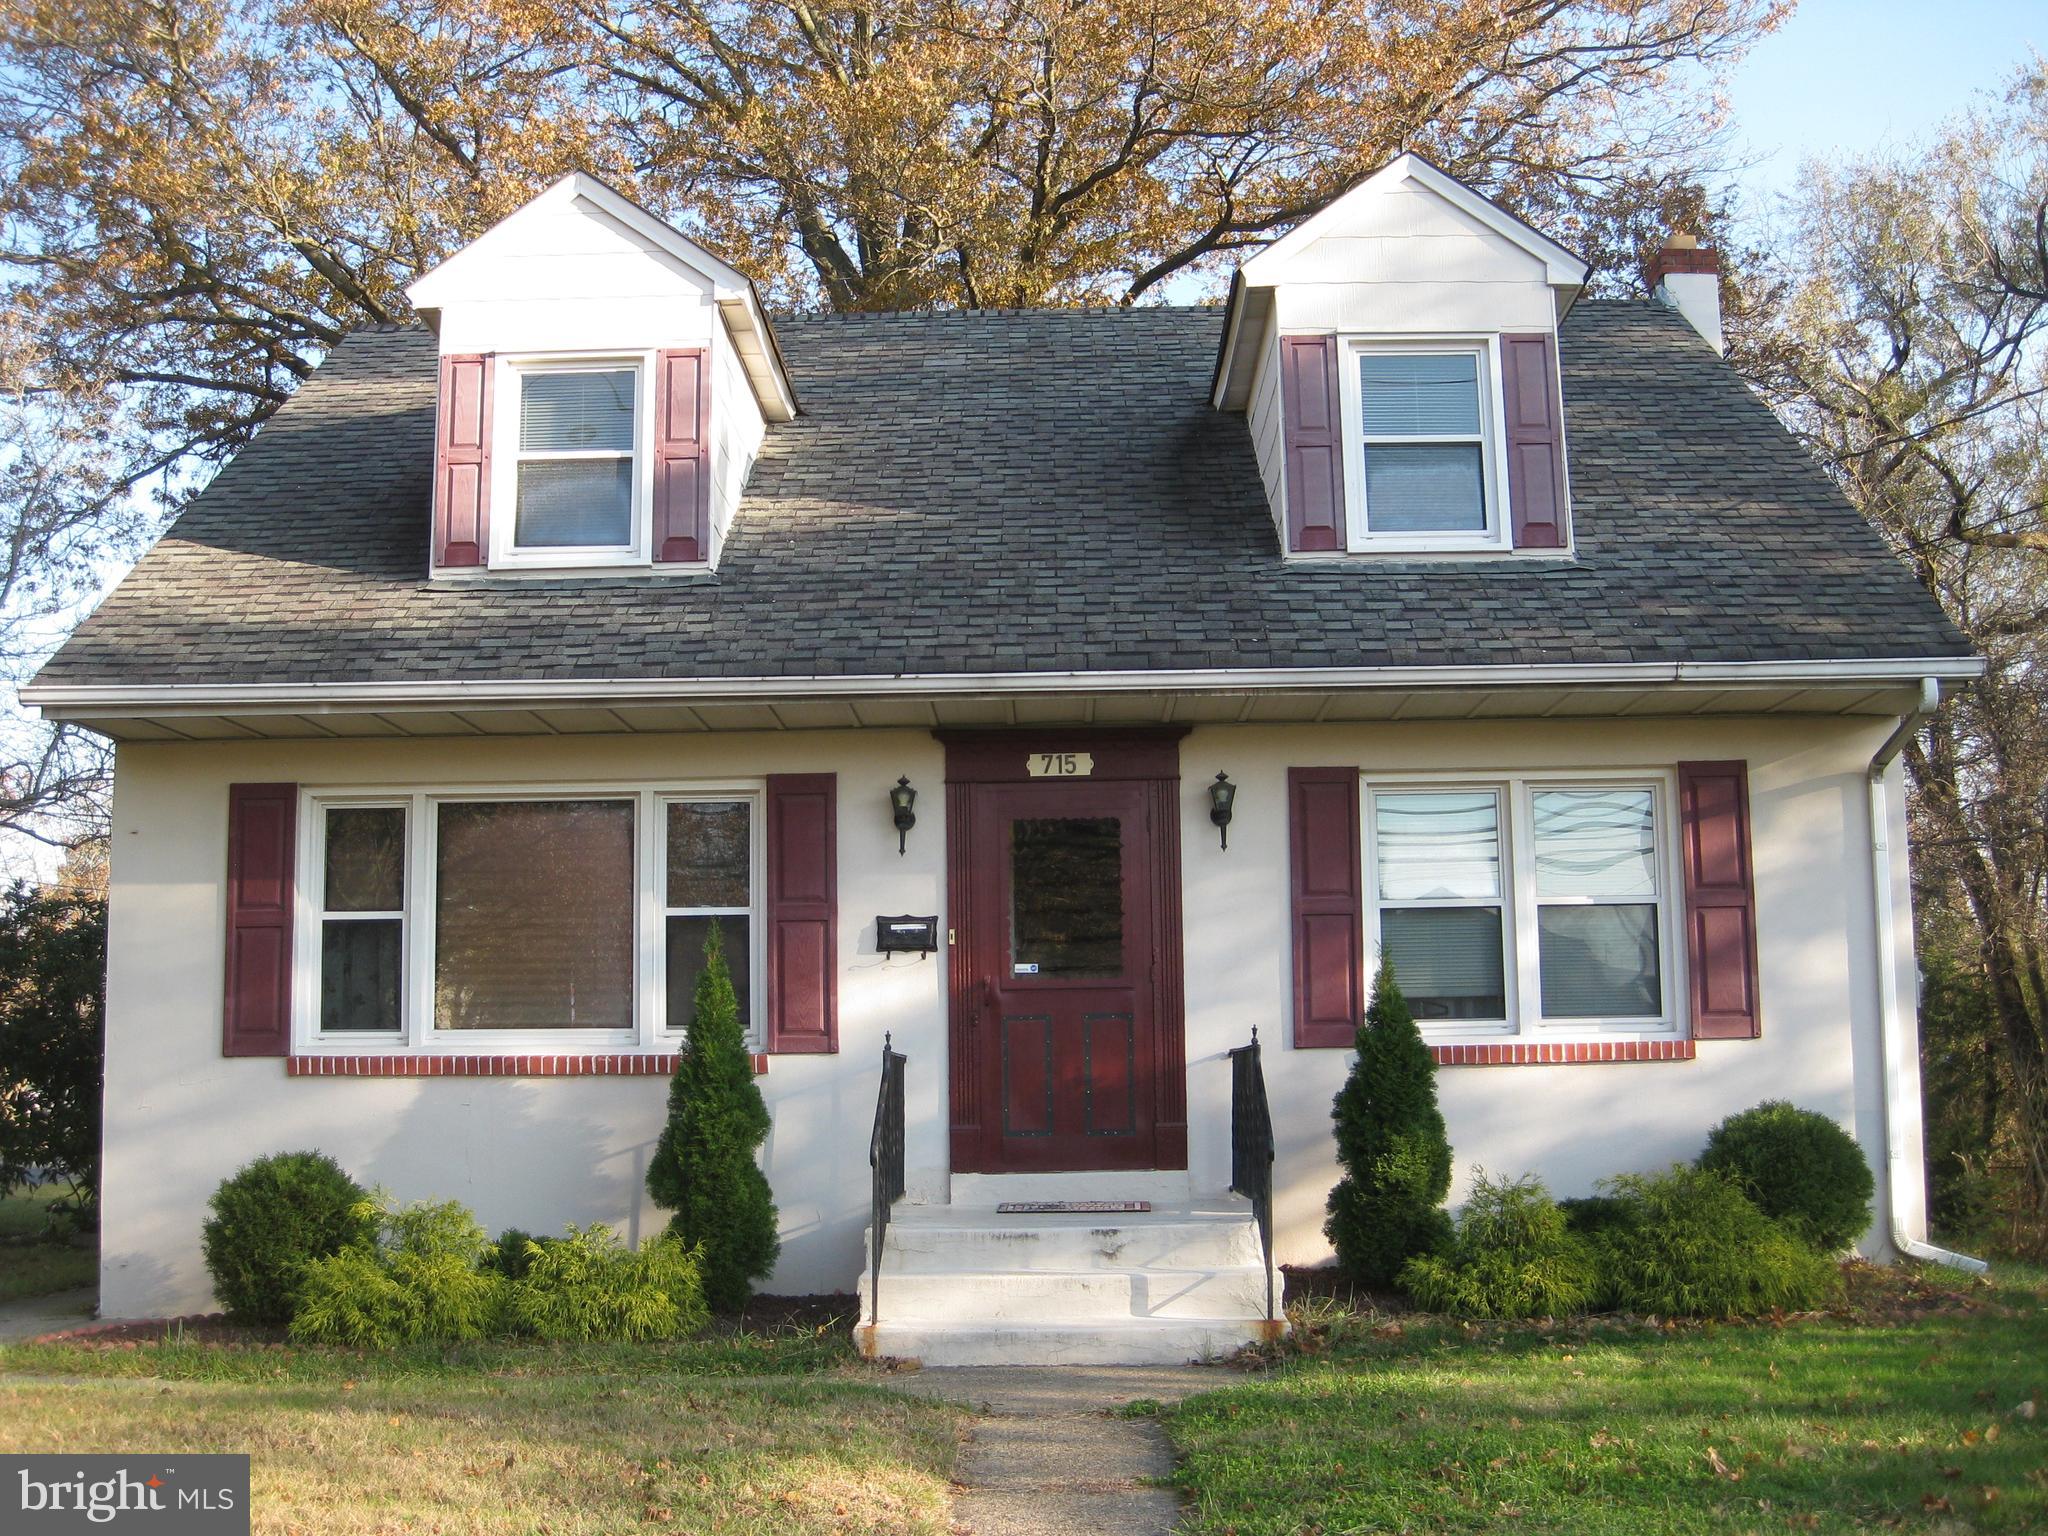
(1560, 1053)
(439, 1064)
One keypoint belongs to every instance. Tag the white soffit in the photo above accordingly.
(739, 304)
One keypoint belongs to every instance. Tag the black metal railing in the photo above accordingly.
(885, 1160)
(1251, 1149)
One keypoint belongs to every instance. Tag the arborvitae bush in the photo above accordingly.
(271, 1220)
(1800, 1168)
(1690, 1243)
(704, 1166)
(1391, 1143)
(1511, 1256)
(425, 1277)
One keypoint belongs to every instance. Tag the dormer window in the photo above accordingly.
(576, 427)
(1396, 359)
(1424, 447)
(576, 480)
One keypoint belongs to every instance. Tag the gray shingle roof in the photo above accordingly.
(1016, 492)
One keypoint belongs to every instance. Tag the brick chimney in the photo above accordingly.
(1687, 276)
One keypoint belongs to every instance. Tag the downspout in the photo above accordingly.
(1899, 1160)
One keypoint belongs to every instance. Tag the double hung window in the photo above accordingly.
(571, 917)
(1524, 905)
(1423, 449)
(576, 476)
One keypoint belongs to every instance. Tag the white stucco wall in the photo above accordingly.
(539, 1152)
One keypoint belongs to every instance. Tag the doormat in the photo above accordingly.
(1071, 1207)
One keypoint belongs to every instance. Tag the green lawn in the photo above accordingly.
(1908, 1412)
(513, 1437)
(30, 1266)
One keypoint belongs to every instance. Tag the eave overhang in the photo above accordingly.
(257, 711)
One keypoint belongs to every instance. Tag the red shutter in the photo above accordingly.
(1311, 422)
(1535, 440)
(1329, 905)
(262, 821)
(682, 461)
(1720, 900)
(462, 463)
(803, 971)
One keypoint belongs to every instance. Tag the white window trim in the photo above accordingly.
(757, 875)
(505, 555)
(1519, 902)
(1358, 537)
(416, 1034)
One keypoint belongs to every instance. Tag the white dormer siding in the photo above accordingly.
(1409, 266)
(582, 279)
(562, 276)
(737, 432)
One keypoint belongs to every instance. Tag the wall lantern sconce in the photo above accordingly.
(1222, 794)
(902, 800)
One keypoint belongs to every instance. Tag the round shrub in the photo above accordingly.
(271, 1220)
(1510, 1255)
(1690, 1243)
(1800, 1168)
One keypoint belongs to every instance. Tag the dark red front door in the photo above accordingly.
(1066, 972)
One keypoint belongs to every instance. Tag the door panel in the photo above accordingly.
(1027, 1075)
(1109, 1047)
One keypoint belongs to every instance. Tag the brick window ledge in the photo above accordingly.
(444, 1064)
(1560, 1053)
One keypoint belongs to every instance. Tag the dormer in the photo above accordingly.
(605, 384)
(1396, 357)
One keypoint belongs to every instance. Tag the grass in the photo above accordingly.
(562, 1440)
(30, 1266)
(1905, 1412)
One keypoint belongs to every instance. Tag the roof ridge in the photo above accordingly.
(798, 316)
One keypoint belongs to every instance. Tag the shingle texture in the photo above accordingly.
(1015, 492)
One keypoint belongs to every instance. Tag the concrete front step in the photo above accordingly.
(976, 1286)
(1083, 1296)
(946, 1239)
(1136, 1341)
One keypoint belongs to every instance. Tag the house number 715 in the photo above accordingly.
(1060, 765)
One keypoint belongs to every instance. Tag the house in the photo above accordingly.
(1062, 697)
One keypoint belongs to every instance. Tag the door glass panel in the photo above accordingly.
(1067, 896)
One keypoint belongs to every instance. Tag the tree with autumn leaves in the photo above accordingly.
(202, 198)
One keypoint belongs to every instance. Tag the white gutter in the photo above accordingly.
(73, 701)
(1901, 1162)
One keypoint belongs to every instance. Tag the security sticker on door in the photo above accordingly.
(1060, 765)
(1024, 968)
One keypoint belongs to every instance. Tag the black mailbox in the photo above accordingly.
(906, 935)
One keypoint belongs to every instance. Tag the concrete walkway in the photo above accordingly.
(38, 1315)
(1051, 1458)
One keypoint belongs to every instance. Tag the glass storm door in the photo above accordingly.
(1063, 963)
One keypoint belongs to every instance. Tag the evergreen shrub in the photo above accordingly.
(1800, 1168)
(1511, 1255)
(1391, 1143)
(1690, 1243)
(705, 1167)
(586, 1286)
(270, 1221)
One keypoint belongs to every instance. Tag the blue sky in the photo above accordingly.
(1851, 76)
